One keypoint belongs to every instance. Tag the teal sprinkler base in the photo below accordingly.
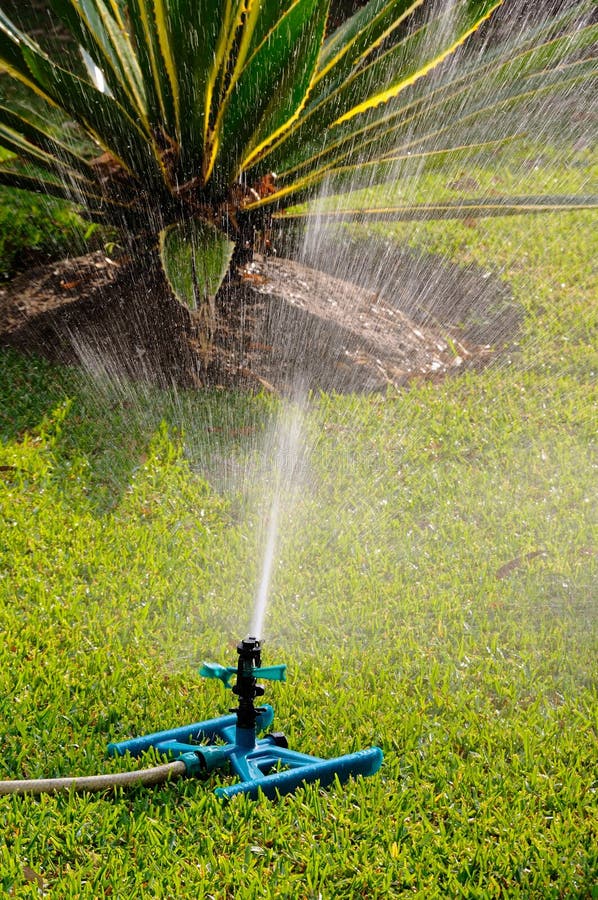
(262, 764)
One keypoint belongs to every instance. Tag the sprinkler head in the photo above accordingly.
(246, 687)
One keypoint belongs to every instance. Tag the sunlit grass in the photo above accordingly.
(434, 594)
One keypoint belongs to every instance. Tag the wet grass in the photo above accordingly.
(434, 594)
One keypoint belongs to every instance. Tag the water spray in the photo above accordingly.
(265, 764)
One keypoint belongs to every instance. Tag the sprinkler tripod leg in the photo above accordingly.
(324, 771)
(220, 728)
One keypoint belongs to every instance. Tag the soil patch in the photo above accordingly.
(468, 303)
(281, 324)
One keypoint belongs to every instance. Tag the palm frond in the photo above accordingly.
(451, 209)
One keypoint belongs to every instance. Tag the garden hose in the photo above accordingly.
(155, 775)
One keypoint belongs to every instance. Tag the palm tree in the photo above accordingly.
(194, 123)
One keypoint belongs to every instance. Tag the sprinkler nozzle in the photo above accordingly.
(250, 651)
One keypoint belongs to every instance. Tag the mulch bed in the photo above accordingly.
(281, 325)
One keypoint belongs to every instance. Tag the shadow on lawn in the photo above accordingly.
(111, 425)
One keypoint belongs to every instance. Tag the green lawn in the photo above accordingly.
(434, 593)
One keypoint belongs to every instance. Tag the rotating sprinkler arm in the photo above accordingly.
(225, 674)
(215, 670)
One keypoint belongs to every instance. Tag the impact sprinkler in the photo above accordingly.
(263, 764)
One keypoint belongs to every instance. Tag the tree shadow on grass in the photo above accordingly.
(110, 423)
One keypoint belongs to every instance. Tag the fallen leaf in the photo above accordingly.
(517, 562)
(33, 877)
(253, 277)
(465, 183)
